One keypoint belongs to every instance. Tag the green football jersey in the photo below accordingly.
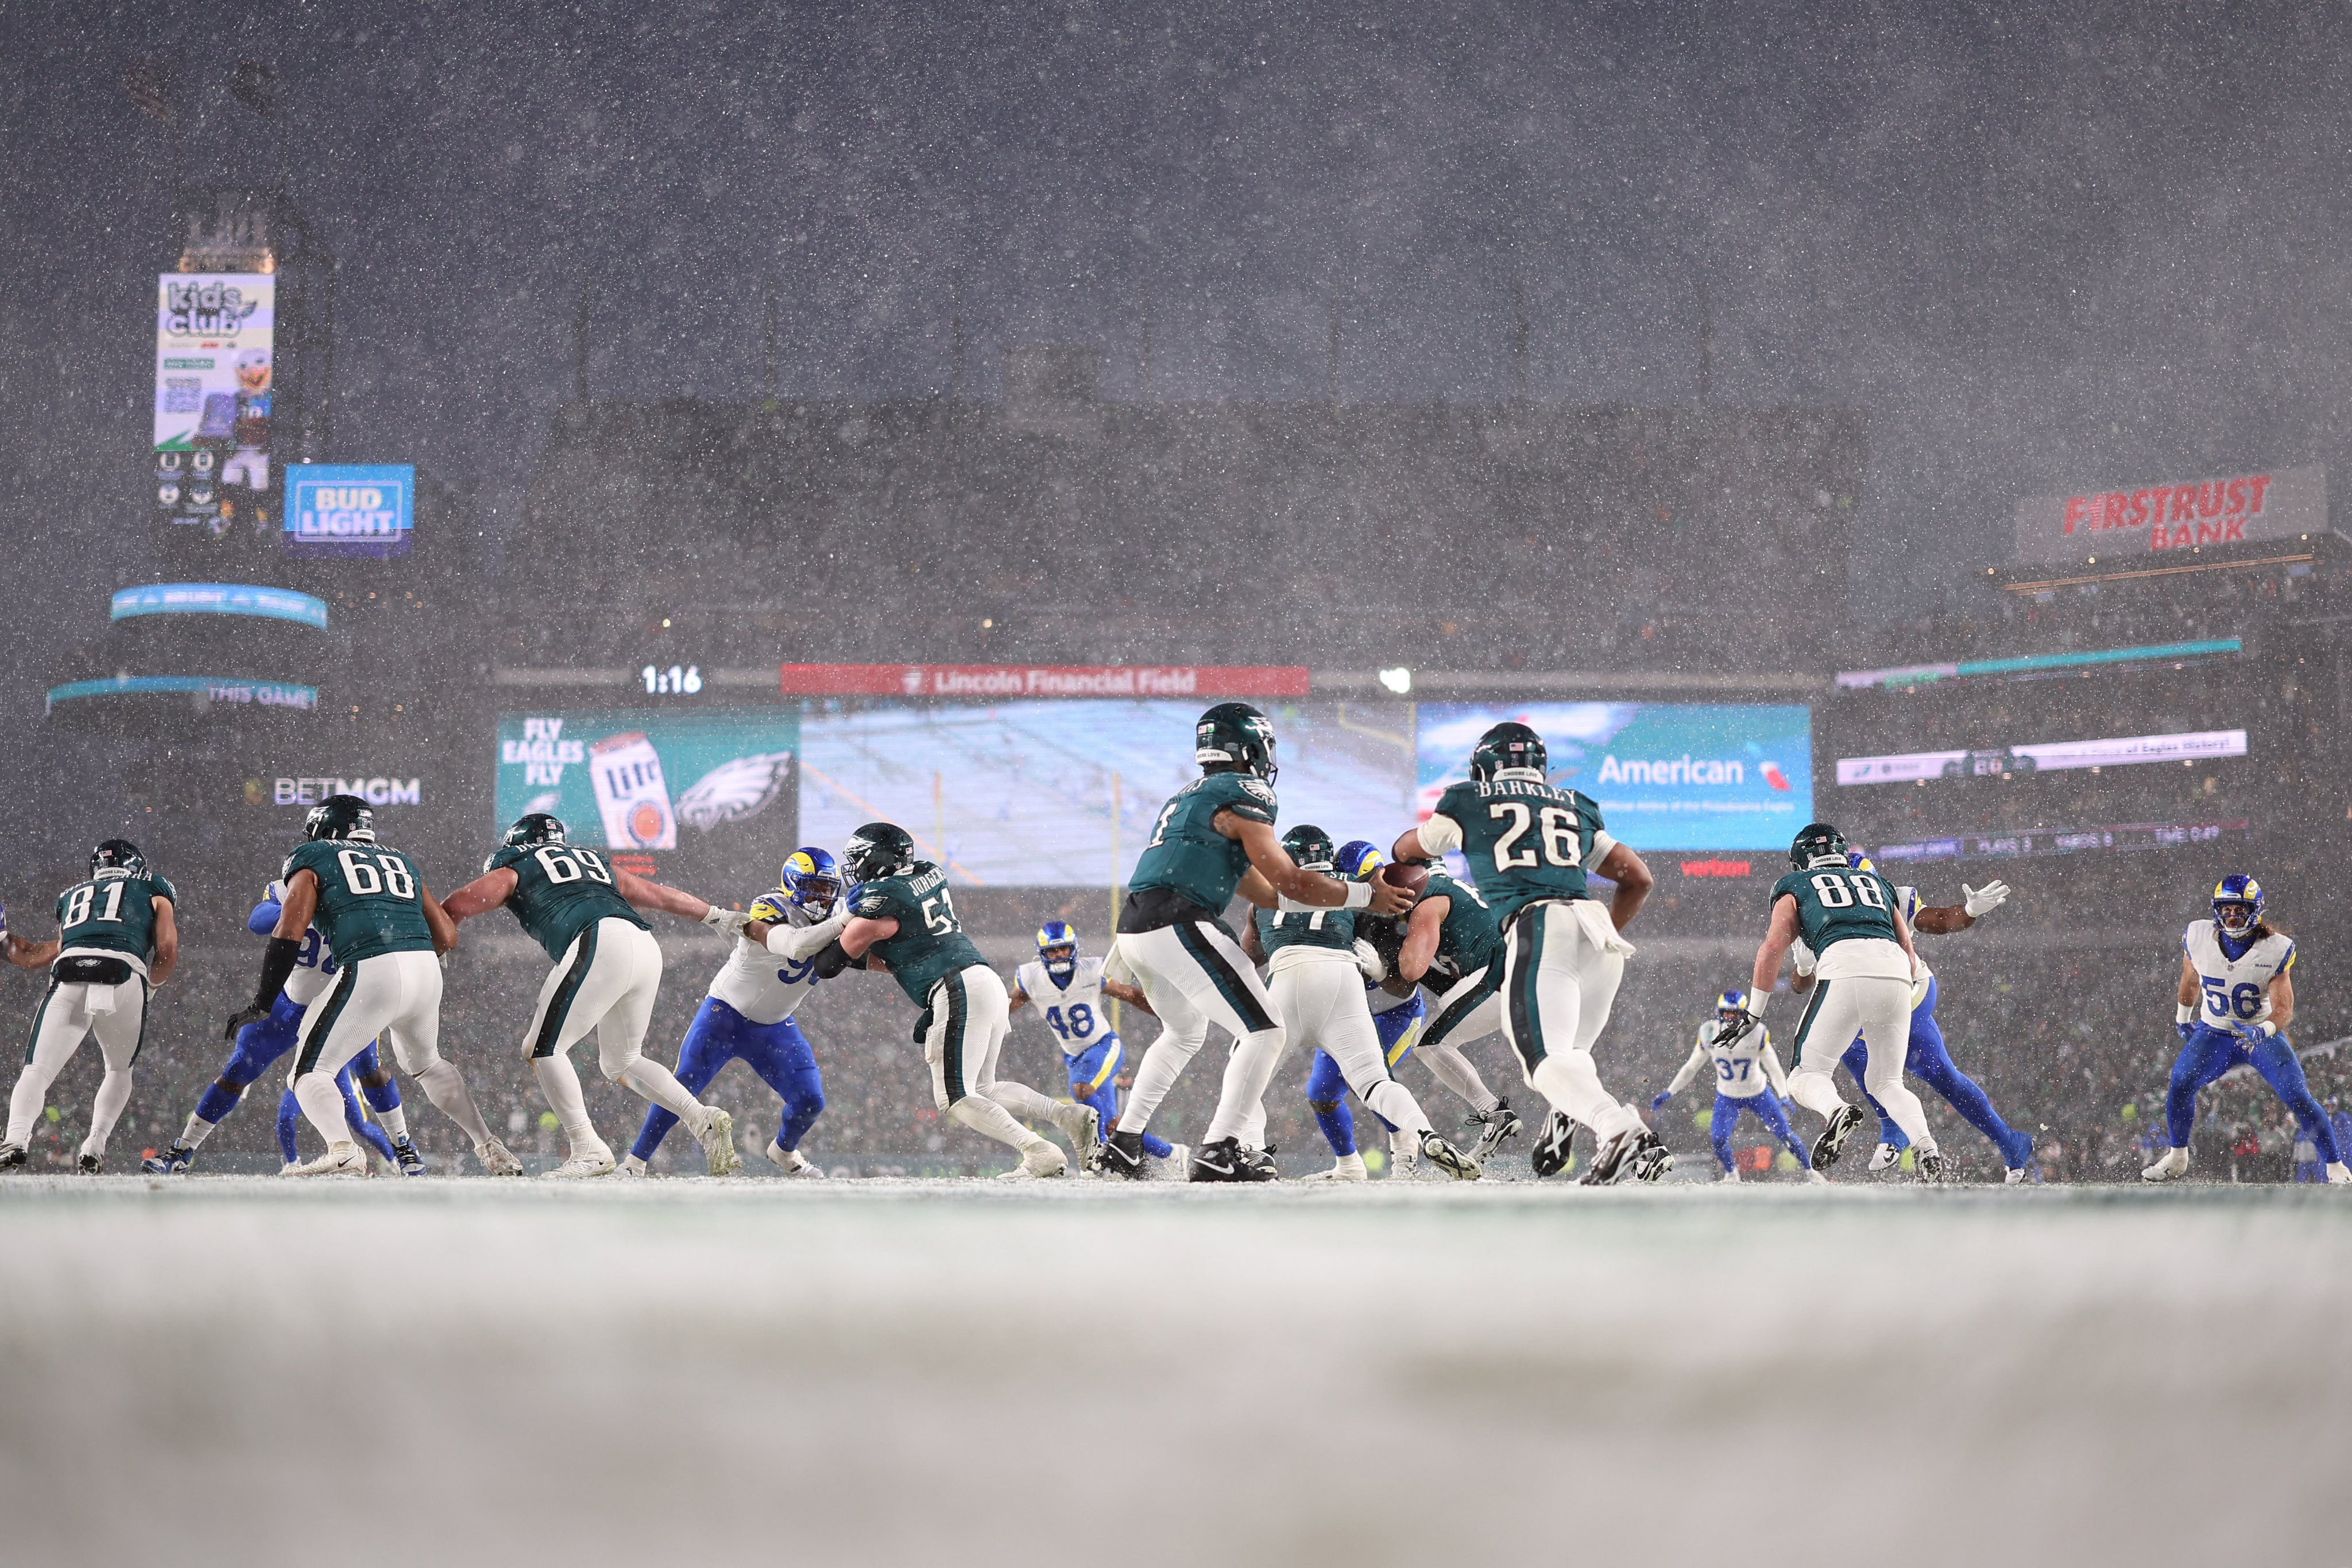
(561, 890)
(1839, 905)
(1524, 840)
(1280, 928)
(1468, 939)
(929, 942)
(370, 899)
(113, 911)
(1187, 855)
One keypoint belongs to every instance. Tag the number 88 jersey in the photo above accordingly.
(1075, 1012)
(2234, 991)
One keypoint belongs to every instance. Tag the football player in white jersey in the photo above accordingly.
(1747, 1082)
(748, 1014)
(1926, 1057)
(1068, 990)
(2234, 1004)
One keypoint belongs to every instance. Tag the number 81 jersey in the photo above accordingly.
(1074, 1012)
(369, 898)
(2234, 991)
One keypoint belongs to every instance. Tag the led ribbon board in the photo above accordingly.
(220, 599)
(214, 688)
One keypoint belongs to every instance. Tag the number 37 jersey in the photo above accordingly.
(1074, 1012)
(370, 899)
(2234, 991)
(1524, 840)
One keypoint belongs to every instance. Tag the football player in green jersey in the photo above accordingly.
(583, 911)
(1213, 838)
(388, 933)
(1863, 967)
(117, 940)
(902, 914)
(1529, 845)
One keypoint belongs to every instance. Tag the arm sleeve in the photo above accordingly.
(1441, 834)
(264, 918)
(1602, 843)
(1681, 1079)
(1772, 1073)
(800, 943)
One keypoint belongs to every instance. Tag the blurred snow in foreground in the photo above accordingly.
(881, 1373)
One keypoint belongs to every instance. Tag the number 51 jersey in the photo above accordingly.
(1074, 1012)
(370, 900)
(2234, 991)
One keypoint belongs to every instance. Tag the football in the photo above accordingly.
(1412, 879)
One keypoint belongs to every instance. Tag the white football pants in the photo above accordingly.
(1468, 1009)
(968, 1016)
(1194, 975)
(71, 1014)
(1878, 1009)
(395, 992)
(1558, 983)
(1322, 1005)
(606, 980)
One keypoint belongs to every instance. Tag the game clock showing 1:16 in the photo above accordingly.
(676, 681)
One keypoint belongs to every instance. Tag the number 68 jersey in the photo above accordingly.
(2234, 991)
(1075, 1012)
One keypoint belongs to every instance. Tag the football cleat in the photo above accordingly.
(1493, 1126)
(791, 1162)
(1649, 1158)
(1609, 1158)
(404, 1155)
(91, 1165)
(11, 1155)
(717, 1141)
(172, 1161)
(2015, 1177)
(1884, 1158)
(1262, 1160)
(1834, 1136)
(497, 1159)
(1444, 1157)
(1551, 1154)
(1122, 1155)
(1225, 1160)
(631, 1166)
(2339, 1174)
(1173, 1168)
(1347, 1167)
(1082, 1124)
(1729, 1175)
(595, 1160)
(1930, 1165)
(1039, 1159)
(2172, 1163)
(343, 1158)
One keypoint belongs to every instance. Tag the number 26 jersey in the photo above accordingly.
(1074, 1012)
(1524, 841)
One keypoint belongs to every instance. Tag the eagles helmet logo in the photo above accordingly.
(734, 790)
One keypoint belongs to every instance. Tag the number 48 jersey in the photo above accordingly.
(369, 898)
(1075, 1012)
(2234, 991)
(1524, 840)
(561, 890)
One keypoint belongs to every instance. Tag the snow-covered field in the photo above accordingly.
(233, 1370)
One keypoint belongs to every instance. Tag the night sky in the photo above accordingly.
(2045, 249)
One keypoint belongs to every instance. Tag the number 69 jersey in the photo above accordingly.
(561, 890)
(1075, 1012)
(1524, 840)
(369, 901)
(2235, 990)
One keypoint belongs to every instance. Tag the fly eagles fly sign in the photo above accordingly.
(2227, 510)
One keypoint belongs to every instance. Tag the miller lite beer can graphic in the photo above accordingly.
(630, 793)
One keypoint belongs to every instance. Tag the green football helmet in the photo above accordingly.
(1817, 844)
(1310, 847)
(1236, 735)
(1510, 744)
(879, 849)
(533, 829)
(341, 817)
(118, 854)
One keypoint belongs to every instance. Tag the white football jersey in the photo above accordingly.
(765, 987)
(2236, 990)
(1742, 1070)
(1074, 1012)
(314, 966)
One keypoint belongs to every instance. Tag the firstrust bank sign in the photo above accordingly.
(2229, 510)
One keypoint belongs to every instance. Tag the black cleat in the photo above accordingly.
(89, 1165)
(1442, 1156)
(1493, 1126)
(1609, 1160)
(174, 1161)
(1261, 1160)
(1122, 1155)
(404, 1155)
(1929, 1162)
(1550, 1154)
(1834, 1136)
(11, 1157)
(1649, 1158)
(1226, 1160)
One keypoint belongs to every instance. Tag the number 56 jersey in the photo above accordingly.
(1074, 1012)
(2235, 990)
(369, 898)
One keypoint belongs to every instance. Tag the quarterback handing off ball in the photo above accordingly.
(1406, 877)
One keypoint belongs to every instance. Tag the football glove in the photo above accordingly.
(252, 1012)
(730, 921)
(1661, 1098)
(1979, 901)
(2186, 1030)
(1368, 962)
(1742, 1022)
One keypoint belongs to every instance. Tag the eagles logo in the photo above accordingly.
(1257, 787)
(735, 791)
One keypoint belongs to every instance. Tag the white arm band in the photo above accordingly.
(1359, 895)
(2186, 1012)
(801, 943)
(1440, 834)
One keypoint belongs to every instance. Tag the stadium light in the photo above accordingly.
(1399, 681)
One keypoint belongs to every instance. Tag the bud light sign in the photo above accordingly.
(345, 510)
